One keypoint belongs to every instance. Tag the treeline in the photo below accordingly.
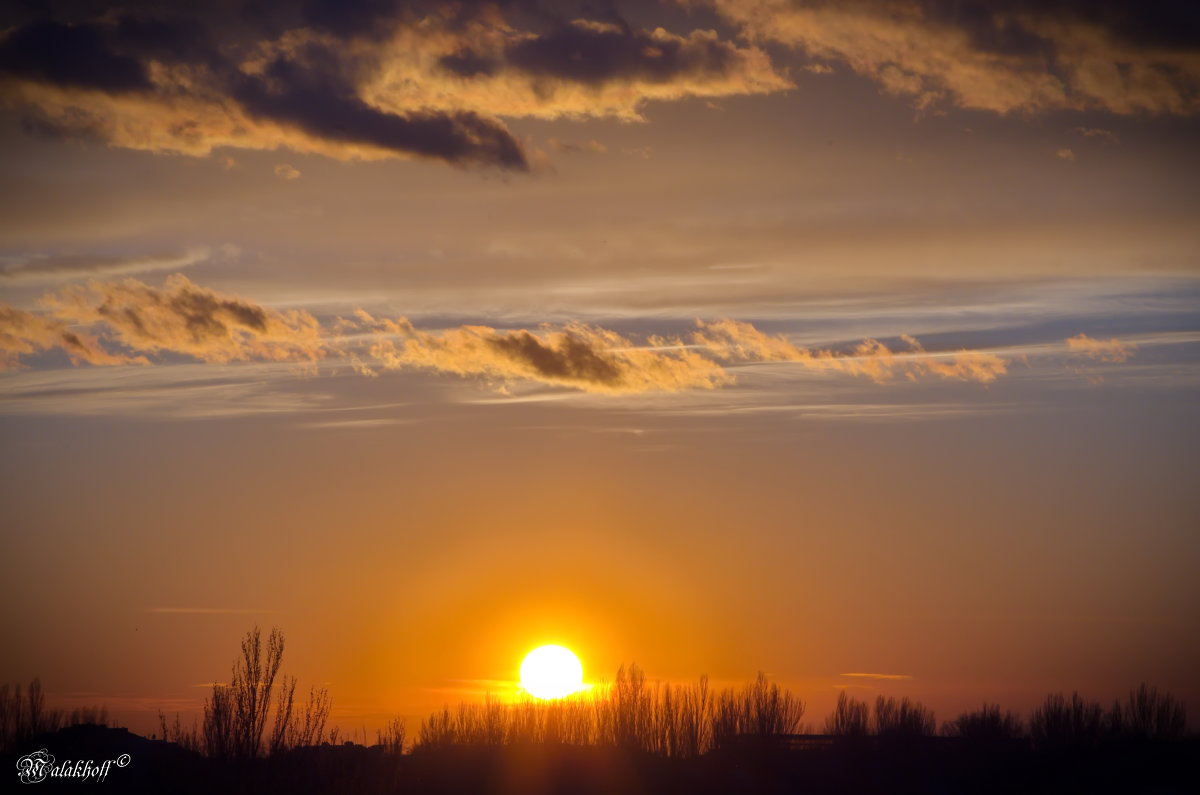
(681, 721)
(1060, 721)
(678, 721)
(24, 715)
(258, 714)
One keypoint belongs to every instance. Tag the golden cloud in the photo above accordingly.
(732, 340)
(128, 321)
(181, 317)
(1010, 56)
(1113, 350)
(25, 333)
(430, 82)
(584, 69)
(576, 355)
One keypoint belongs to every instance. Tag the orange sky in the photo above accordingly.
(714, 336)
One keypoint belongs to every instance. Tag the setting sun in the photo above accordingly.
(551, 672)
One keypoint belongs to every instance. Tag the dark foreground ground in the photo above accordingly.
(927, 766)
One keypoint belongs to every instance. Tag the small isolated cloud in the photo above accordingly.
(877, 676)
(1065, 154)
(1108, 136)
(364, 424)
(1112, 351)
(819, 69)
(207, 611)
(285, 171)
(591, 147)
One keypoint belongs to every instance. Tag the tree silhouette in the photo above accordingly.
(902, 718)
(236, 714)
(850, 718)
(1064, 722)
(1148, 715)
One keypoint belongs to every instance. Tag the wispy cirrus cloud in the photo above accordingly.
(363, 424)
(53, 269)
(877, 676)
(208, 610)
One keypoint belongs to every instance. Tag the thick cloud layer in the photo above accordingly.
(365, 79)
(436, 78)
(1011, 55)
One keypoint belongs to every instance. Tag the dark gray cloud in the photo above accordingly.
(594, 54)
(350, 79)
(574, 359)
(467, 63)
(312, 93)
(74, 56)
(1156, 23)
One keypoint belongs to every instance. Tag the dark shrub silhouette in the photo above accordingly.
(902, 718)
(850, 718)
(986, 724)
(760, 710)
(391, 737)
(1148, 715)
(1062, 722)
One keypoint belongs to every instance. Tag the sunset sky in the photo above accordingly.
(853, 342)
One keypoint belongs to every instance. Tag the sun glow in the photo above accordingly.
(551, 672)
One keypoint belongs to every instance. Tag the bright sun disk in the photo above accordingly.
(551, 672)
